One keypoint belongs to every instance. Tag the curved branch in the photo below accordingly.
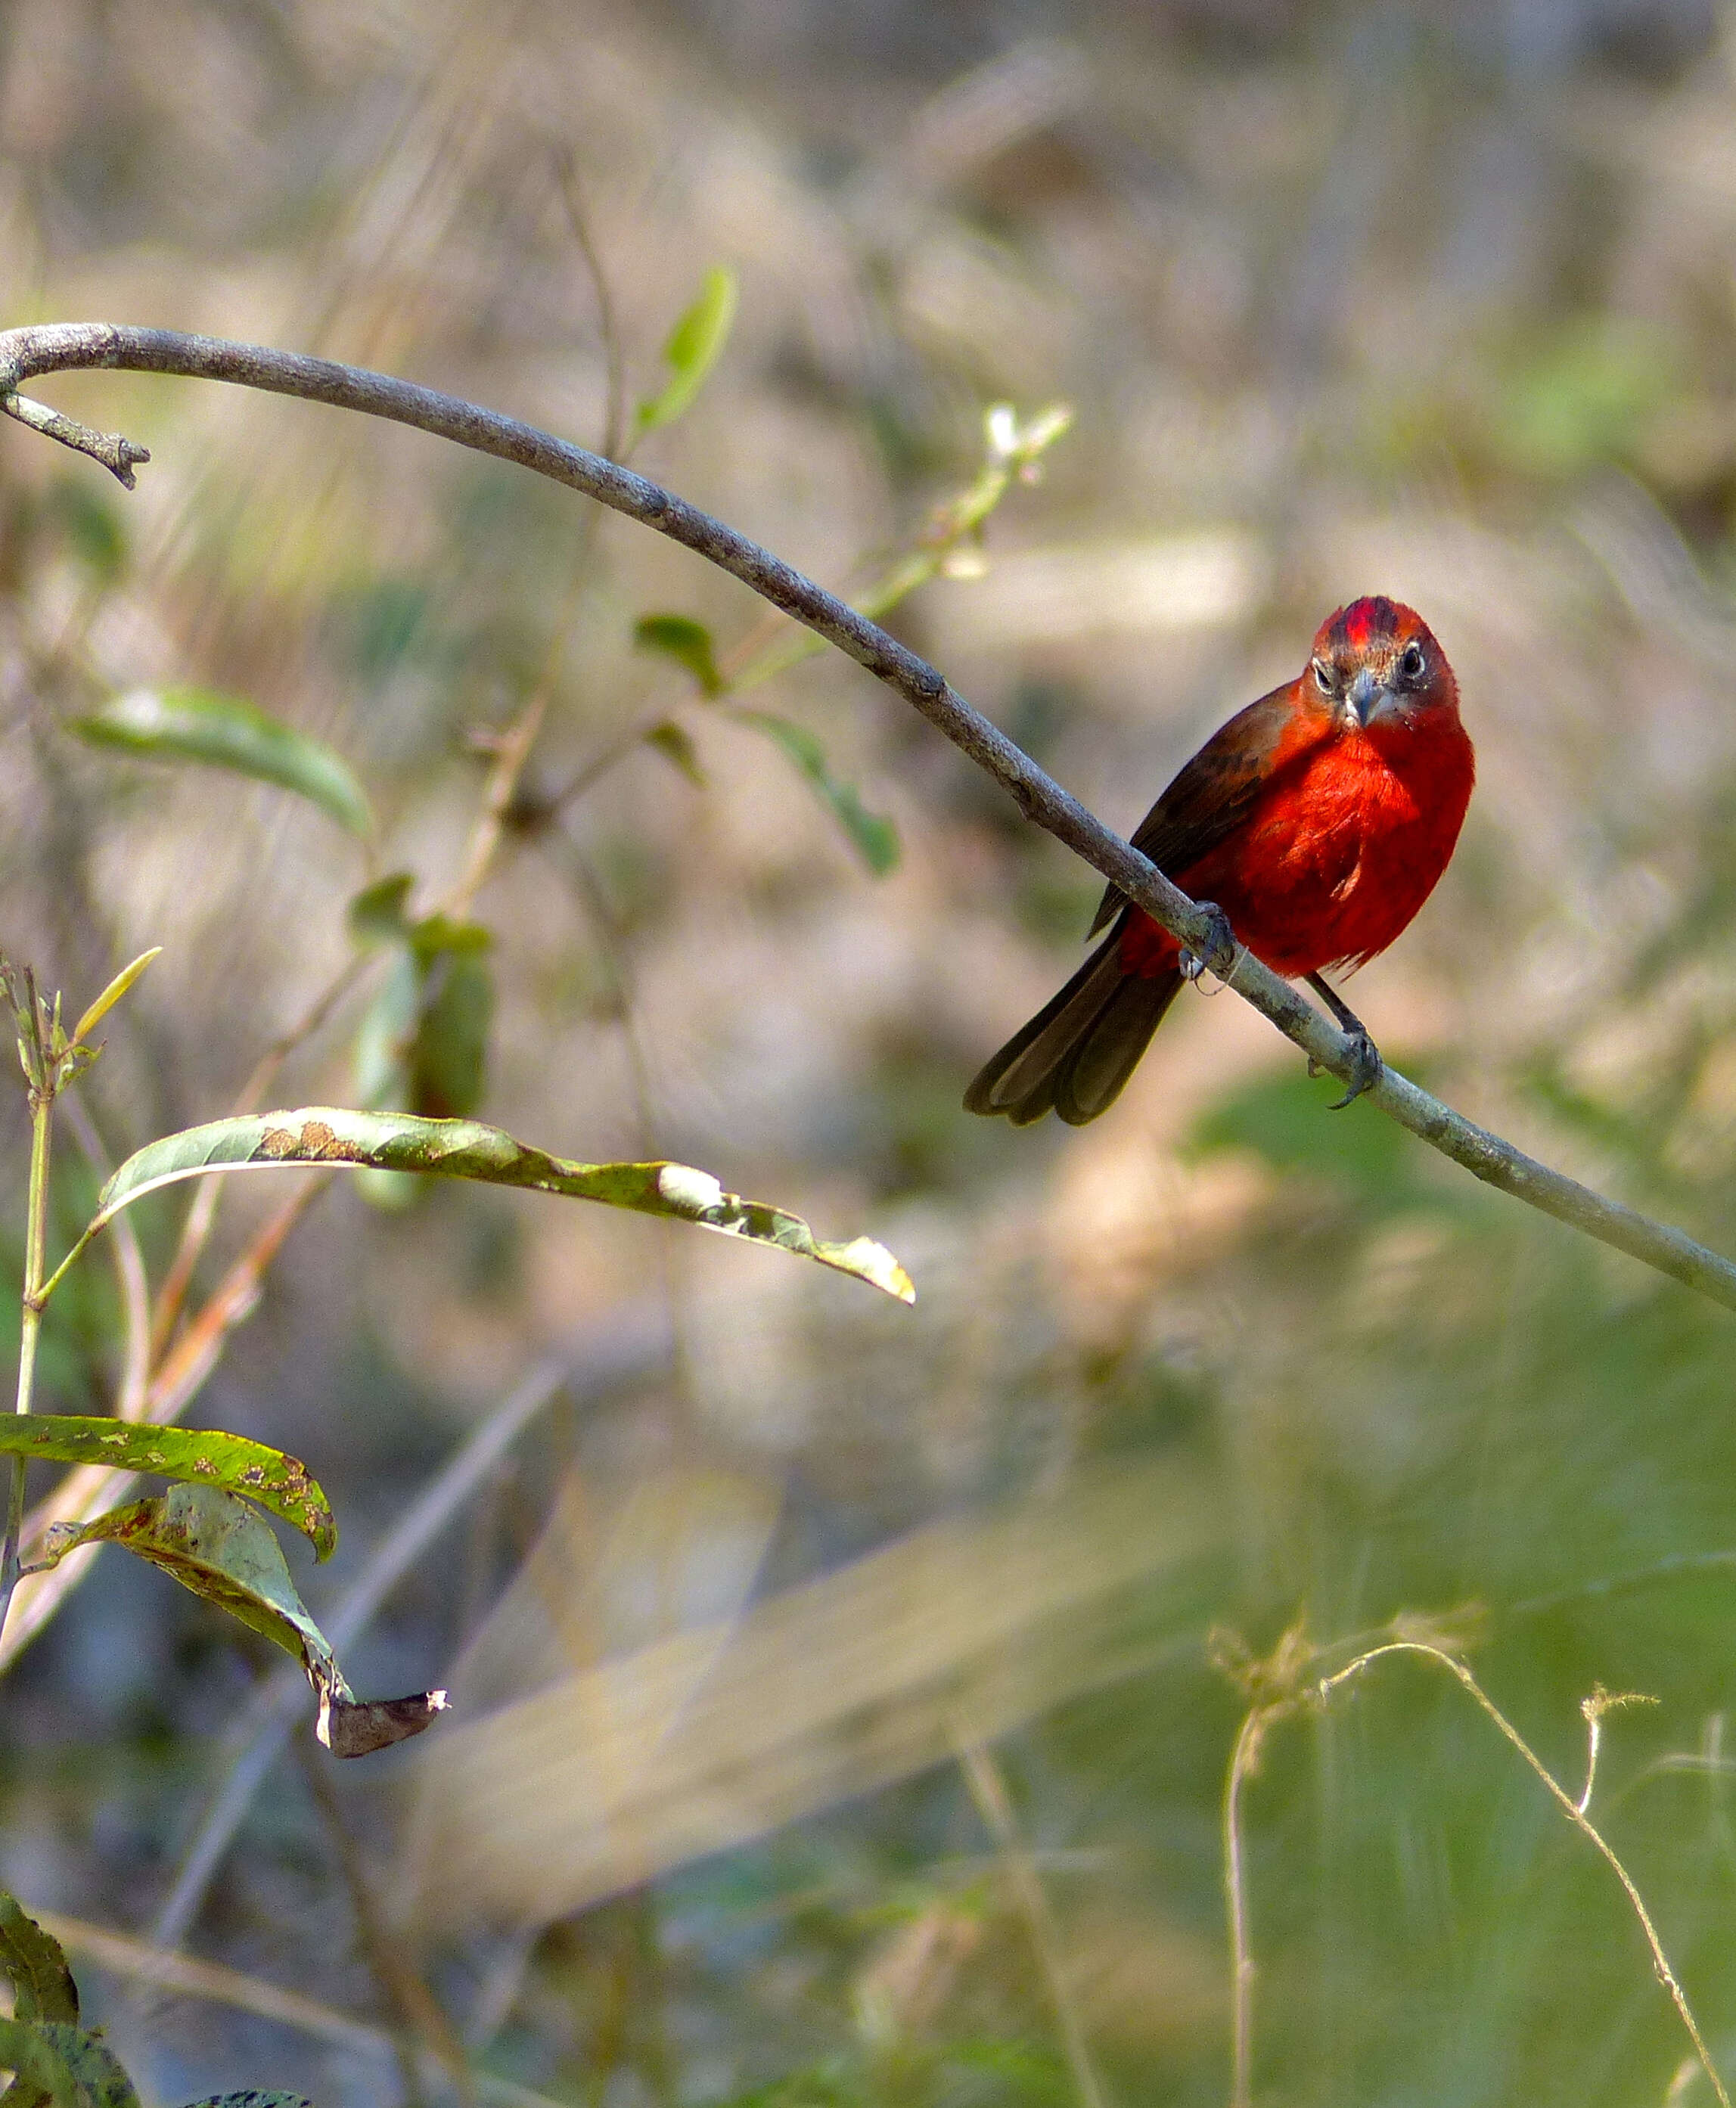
(69, 347)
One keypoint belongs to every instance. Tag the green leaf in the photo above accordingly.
(676, 743)
(59, 2063)
(42, 2075)
(875, 839)
(112, 994)
(381, 1061)
(42, 1989)
(330, 1137)
(99, 2076)
(201, 1456)
(376, 914)
(224, 1552)
(449, 1055)
(193, 724)
(694, 347)
(688, 642)
(423, 1044)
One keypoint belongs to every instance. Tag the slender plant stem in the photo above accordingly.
(1573, 1810)
(622, 1354)
(1242, 1765)
(67, 347)
(183, 1977)
(130, 1280)
(988, 1791)
(36, 1240)
(195, 1230)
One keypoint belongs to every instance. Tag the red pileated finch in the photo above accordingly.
(1317, 821)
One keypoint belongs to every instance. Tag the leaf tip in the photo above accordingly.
(112, 994)
(870, 1261)
(357, 1728)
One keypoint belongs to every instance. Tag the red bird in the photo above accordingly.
(1317, 820)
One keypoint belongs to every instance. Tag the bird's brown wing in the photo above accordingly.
(1213, 793)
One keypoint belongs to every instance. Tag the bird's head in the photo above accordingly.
(1376, 666)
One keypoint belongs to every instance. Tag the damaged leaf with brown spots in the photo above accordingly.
(226, 1552)
(326, 1135)
(201, 1456)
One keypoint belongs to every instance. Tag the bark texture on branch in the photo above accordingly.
(67, 347)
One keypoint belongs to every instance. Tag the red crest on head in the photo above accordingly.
(1356, 629)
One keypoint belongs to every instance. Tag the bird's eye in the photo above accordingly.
(1412, 664)
(1323, 678)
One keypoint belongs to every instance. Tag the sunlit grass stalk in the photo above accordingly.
(988, 1791)
(36, 1240)
(1573, 1810)
(1245, 1762)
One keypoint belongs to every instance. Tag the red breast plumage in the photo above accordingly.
(1318, 819)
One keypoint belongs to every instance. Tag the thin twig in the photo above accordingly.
(1243, 1763)
(511, 751)
(117, 455)
(42, 1095)
(421, 2018)
(1594, 1708)
(633, 1348)
(614, 388)
(129, 1277)
(988, 1791)
(1575, 1812)
(196, 1229)
(513, 747)
(188, 1978)
(64, 347)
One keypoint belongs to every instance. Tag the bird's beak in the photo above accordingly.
(1365, 697)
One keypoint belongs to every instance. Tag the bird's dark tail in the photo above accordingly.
(1081, 1048)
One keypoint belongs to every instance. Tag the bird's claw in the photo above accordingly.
(1218, 954)
(1366, 1068)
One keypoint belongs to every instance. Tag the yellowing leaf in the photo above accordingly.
(112, 994)
(694, 347)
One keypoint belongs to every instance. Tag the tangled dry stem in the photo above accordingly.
(1245, 1762)
(65, 346)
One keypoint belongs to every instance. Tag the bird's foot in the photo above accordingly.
(1366, 1070)
(1366, 1064)
(1219, 952)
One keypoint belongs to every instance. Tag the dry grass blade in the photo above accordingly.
(722, 1733)
(626, 1354)
(1573, 1810)
(987, 1790)
(139, 1962)
(131, 1393)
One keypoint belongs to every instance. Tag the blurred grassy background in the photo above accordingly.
(754, 1631)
